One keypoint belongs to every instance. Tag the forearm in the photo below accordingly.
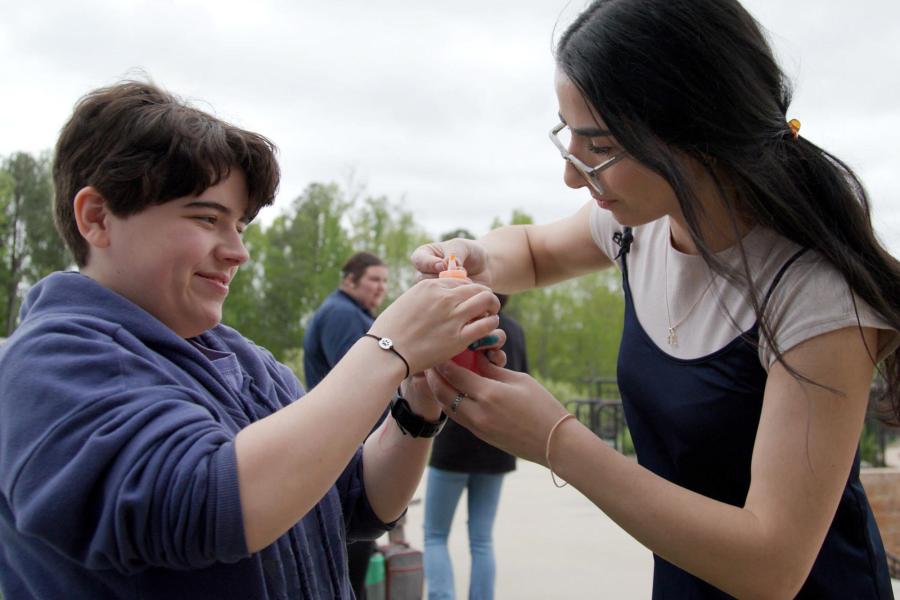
(527, 256)
(289, 460)
(702, 536)
(511, 262)
(392, 467)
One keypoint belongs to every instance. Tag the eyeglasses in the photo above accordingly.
(561, 136)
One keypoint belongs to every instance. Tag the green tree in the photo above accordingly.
(386, 230)
(295, 263)
(245, 296)
(29, 245)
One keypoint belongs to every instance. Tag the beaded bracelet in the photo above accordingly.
(547, 452)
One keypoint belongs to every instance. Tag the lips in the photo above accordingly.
(220, 278)
(603, 202)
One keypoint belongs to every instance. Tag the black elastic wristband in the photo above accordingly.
(388, 344)
(412, 424)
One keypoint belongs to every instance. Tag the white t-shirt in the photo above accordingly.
(812, 297)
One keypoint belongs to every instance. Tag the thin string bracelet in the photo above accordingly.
(387, 344)
(547, 452)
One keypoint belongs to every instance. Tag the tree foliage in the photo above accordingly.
(296, 261)
(29, 245)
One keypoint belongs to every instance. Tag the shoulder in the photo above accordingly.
(337, 306)
(57, 341)
(813, 298)
(603, 228)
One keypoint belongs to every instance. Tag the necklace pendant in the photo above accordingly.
(672, 337)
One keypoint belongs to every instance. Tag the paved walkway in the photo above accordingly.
(550, 544)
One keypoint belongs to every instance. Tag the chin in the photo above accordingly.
(201, 325)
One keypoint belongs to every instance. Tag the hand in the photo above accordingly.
(421, 399)
(505, 408)
(436, 319)
(430, 259)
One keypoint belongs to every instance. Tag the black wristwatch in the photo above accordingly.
(412, 424)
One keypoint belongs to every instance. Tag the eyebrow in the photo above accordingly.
(216, 207)
(588, 131)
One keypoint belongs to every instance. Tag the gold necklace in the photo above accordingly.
(671, 335)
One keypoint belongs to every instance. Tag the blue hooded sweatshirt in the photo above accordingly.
(118, 473)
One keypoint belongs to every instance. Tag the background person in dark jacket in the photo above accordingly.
(344, 316)
(460, 461)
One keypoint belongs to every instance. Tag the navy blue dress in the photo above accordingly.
(694, 423)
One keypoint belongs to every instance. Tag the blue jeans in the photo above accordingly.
(441, 497)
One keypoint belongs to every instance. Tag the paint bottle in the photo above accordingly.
(455, 270)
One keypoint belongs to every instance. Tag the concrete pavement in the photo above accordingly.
(549, 543)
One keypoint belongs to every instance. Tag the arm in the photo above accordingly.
(520, 257)
(804, 448)
(393, 461)
(287, 461)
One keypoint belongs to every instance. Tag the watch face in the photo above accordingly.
(385, 343)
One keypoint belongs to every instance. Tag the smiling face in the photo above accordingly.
(633, 193)
(175, 260)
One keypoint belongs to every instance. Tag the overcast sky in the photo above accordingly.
(443, 106)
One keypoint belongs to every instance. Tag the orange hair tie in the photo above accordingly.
(794, 124)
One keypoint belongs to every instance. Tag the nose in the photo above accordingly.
(573, 178)
(232, 250)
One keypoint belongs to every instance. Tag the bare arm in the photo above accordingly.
(288, 461)
(520, 257)
(804, 448)
(393, 461)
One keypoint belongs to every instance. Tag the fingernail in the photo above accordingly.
(487, 340)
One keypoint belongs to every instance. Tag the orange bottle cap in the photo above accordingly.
(454, 269)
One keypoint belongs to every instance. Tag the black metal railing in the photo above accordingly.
(604, 417)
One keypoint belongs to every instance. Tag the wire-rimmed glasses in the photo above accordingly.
(561, 136)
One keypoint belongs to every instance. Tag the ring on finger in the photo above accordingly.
(456, 401)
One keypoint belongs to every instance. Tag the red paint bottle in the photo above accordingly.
(466, 358)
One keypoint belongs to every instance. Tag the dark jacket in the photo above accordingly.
(336, 325)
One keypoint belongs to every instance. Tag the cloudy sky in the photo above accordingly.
(443, 106)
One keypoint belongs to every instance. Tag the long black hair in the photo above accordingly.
(698, 78)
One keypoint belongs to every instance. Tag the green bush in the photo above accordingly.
(562, 390)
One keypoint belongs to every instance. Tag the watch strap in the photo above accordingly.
(412, 424)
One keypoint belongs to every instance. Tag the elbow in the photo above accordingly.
(778, 576)
(773, 586)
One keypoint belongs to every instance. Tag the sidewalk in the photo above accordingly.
(549, 544)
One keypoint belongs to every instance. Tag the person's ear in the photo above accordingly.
(92, 216)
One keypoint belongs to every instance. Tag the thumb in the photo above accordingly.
(493, 371)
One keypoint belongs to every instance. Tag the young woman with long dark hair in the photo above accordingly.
(759, 306)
